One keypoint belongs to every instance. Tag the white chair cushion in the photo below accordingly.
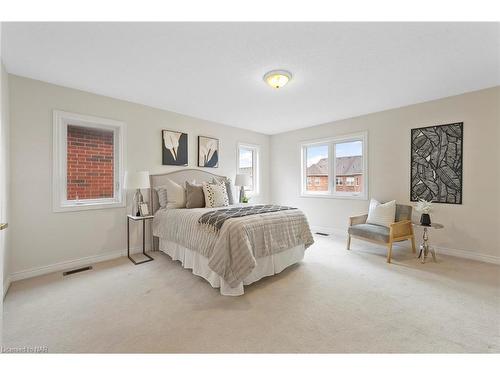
(383, 214)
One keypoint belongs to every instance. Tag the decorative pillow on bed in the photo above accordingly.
(195, 197)
(229, 188)
(162, 196)
(176, 195)
(382, 214)
(215, 195)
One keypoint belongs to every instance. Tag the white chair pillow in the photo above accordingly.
(383, 214)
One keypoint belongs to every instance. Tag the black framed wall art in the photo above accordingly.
(437, 163)
(208, 152)
(174, 148)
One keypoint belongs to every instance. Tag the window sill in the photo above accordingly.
(87, 206)
(332, 196)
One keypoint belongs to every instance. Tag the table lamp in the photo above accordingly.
(137, 180)
(242, 180)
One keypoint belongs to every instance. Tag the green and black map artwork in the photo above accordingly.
(436, 163)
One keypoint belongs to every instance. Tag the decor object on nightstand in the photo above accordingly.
(208, 152)
(144, 209)
(425, 248)
(425, 207)
(137, 180)
(143, 219)
(174, 148)
(242, 180)
(399, 229)
(436, 163)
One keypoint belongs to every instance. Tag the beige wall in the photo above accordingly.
(5, 249)
(41, 237)
(4, 177)
(473, 227)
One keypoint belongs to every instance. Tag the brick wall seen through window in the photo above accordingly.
(341, 160)
(90, 163)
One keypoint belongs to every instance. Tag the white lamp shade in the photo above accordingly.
(243, 179)
(137, 180)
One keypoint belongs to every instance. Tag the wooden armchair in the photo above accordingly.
(400, 230)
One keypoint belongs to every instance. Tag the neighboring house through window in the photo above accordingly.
(88, 162)
(316, 159)
(342, 160)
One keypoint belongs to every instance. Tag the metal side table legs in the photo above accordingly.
(425, 248)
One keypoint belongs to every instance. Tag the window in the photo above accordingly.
(316, 157)
(88, 162)
(340, 164)
(248, 162)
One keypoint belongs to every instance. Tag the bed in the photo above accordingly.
(240, 251)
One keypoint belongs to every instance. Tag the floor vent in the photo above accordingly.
(76, 270)
(322, 234)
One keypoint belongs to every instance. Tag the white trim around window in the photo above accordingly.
(61, 120)
(331, 142)
(256, 167)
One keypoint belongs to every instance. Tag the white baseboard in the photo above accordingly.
(6, 286)
(440, 250)
(468, 255)
(38, 271)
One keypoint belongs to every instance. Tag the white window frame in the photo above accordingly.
(332, 176)
(61, 120)
(255, 175)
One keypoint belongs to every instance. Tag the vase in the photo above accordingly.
(425, 219)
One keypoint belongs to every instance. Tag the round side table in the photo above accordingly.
(425, 248)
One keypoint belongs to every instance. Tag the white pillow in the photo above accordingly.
(215, 195)
(176, 195)
(381, 214)
(162, 196)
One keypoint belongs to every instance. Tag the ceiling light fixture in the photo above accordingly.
(277, 78)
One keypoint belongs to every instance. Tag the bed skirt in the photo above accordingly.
(266, 266)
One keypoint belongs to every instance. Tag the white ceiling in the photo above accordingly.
(214, 70)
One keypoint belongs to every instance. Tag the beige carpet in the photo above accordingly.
(334, 301)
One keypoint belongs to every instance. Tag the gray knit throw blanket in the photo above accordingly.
(215, 219)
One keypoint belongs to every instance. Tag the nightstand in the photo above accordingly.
(143, 219)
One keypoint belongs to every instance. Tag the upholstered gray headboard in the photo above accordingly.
(179, 176)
